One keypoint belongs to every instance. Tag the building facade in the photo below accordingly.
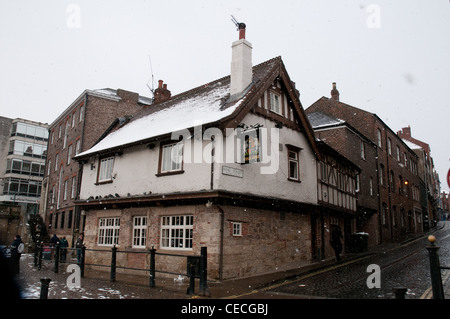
(23, 152)
(352, 144)
(429, 178)
(231, 165)
(397, 168)
(93, 114)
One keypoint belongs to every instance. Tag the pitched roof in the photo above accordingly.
(318, 120)
(206, 105)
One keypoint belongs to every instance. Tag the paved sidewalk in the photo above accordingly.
(96, 284)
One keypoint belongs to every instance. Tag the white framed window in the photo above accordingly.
(81, 113)
(363, 151)
(139, 231)
(66, 184)
(172, 158)
(56, 161)
(380, 144)
(74, 187)
(69, 154)
(237, 229)
(177, 231)
(275, 103)
(293, 163)
(108, 231)
(105, 169)
(78, 147)
(293, 166)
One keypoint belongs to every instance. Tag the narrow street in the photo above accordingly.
(405, 266)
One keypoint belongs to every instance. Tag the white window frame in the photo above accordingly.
(105, 169)
(295, 161)
(69, 154)
(275, 102)
(172, 158)
(78, 147)
(177, 232)
(363, 151)
(108, 231)
(139, 232)
(237, 229)
(380, 143)
(74, 187)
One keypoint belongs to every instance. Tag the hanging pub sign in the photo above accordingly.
(250, 145)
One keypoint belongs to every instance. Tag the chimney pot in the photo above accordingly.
(242, 30)
(335, 93)
(161, 93)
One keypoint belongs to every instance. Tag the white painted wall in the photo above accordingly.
(134, 171)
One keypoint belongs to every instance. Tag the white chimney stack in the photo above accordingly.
(241, 63)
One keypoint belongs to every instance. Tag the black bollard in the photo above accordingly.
(435, 270)
(44, 288)
(57, 252)
(113, 264)
(191, 288)
(152, 267)
(204, 290)
(399, 292)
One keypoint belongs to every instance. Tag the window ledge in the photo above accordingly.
(169, 173)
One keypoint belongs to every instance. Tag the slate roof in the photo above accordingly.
(319, 120)
(206, 105)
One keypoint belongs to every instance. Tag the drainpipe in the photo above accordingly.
(222, 223)
(77, 211)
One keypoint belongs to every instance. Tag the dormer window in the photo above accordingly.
(105, 170)
(275, 102)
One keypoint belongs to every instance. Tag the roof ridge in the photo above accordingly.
(190, 91)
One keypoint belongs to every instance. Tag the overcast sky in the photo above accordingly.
(391, 58)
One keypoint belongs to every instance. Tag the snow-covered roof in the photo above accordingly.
(412, 145)
(319, 120)
(203, 105)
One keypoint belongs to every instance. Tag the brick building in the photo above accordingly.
(430, 184)
(92, 115)
(361, 151)
(399, 210)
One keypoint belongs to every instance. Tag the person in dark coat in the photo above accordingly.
(63, 244)
(78, 246)
(335, 242)
(16, 251)
(54, 240)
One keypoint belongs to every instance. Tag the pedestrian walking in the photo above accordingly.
(78, 246)
(335, 242)
(63, 244)
(17, 248)
(54, 240)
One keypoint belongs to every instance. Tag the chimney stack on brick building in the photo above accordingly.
(241, 63)
(161, 93)
(335, 93)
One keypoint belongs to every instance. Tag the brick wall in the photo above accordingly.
(271, 241)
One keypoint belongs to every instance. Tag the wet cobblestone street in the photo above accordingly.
(401, 266)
